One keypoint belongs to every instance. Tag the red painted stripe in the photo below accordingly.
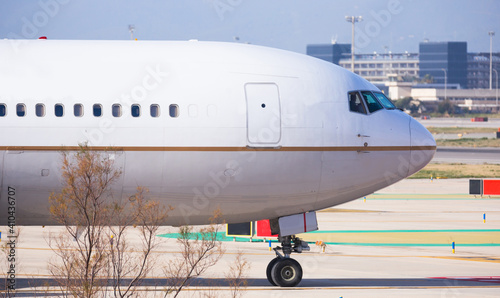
(305, 224)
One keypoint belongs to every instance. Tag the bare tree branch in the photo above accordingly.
(199, 251)
(236, 275)
(94, 247)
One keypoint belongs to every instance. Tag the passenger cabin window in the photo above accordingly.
(386, 102)
(21, 110)
(59, 110)
(136, 110)
(97, 110)
(3, 110)
(356, 103)
(40, 110)
(155, 110)
(371, 101)
(116, 110)
(78, 110)
(193, 111)
(173, 111)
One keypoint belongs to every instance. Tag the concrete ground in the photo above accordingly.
(460, 122)
(467, 155)
(399, 246)
(454, 136)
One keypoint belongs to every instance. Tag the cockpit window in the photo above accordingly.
(371, 101)
(386, 102)
(356, 103)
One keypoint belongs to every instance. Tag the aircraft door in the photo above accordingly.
(263, 114)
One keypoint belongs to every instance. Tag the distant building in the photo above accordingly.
(329, 52)
(450, 56)
(473, 99)
(478, 70)
(377, 68)
(464, 70)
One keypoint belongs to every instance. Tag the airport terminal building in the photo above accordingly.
(439, 70)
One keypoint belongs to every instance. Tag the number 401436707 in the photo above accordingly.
(11, 210)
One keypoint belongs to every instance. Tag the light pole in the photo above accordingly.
(131, 29)
(445, 82)
(353, 19)
(491, 33)
(496, 91)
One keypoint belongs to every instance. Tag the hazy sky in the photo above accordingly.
(398, 25)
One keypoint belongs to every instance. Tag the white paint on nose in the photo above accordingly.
(423, 147)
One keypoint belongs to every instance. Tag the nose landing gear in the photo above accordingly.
(284, 271)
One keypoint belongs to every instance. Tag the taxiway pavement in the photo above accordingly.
(459, 122)
(467, 155)
(419, 218)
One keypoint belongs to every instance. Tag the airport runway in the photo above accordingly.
(454, 136)
(397, 243)
(459, 122)
(464, 155)
(467, 155)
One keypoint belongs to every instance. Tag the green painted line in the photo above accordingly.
(429, 197)
(433, 199)
(403, 231)
(410, 244)
(221, 236)
(419, 194)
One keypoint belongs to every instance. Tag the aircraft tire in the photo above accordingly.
(287, 273)
(269, 270)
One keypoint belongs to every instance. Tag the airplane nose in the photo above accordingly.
(423, 147)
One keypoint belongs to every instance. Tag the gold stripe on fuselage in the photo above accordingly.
(211, 149)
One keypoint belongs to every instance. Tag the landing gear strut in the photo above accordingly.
(284, 271)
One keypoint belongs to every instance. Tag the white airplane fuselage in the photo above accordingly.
(257, 132)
